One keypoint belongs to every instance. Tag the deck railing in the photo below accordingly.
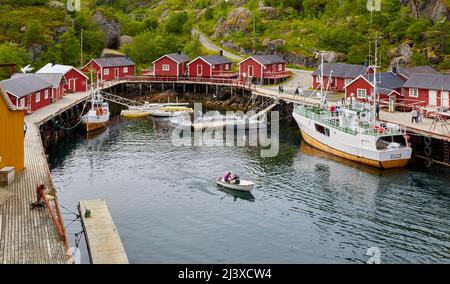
(277, 75)
(332, 119)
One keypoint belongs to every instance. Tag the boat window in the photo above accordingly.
(322, 130)
(391, 142)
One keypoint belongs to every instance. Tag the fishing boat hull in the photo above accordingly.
(244, 185)
(354, 147)
(373, 163)
(93, 126)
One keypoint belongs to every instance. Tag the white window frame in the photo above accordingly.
(361, 91)
(46, 94)
(199, 68)
(166, 67)
(37, 97)
(22, 102)
(414, 93)
(280, 67)
(106, 71)
(125, 69)
(227, 67)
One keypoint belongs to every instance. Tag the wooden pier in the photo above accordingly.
(103, 240)
(27, 235)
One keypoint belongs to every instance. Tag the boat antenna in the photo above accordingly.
(375, 91)
(322, 100)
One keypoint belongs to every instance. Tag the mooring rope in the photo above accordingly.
(78, 123)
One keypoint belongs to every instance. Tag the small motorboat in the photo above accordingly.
(244, 185)
(171, 111)
(134, 113)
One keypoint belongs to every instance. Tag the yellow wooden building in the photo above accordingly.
(11, 134)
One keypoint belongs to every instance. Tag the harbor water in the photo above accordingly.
(306, 208)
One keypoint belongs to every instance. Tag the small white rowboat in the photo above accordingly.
(244, 185)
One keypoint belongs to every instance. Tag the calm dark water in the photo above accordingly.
(307, 208)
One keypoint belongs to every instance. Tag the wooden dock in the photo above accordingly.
(103, 240)
(30, 236)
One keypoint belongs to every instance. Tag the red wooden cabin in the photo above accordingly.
(263, 69)
(110, 68)
(214, 66)
(428, 90)
(337, 75)
(76, 81)
(388, 84)
(28, 91)
(171, 65)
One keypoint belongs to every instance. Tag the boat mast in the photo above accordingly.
(375, 91)
(322, 97)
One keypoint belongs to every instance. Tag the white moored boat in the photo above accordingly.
(244, 185)
(98, 116)
(352, 132)
(170, 111)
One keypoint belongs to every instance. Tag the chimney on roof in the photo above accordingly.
(394, 69)
(179, 51)
(53, 63)
(272, 51)
(221, 52)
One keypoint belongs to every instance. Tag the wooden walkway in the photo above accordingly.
(102, 238)
(422, 128)
(30, 236)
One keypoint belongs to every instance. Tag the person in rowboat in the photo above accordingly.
(236, 179)
(227, 177)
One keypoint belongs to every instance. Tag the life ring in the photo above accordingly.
(427, 140)
(428, 151)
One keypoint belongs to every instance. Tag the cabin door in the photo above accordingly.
(250, 71)
(116, 73)
(22, 102)
(199, 70)
(72, 85)
(432, 98)
(445, 99)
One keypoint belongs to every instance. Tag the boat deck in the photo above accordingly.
(30, 236)
(102, 238)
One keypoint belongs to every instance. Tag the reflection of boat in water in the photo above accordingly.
(245, 195)
(98, 116)
(305, 148)
(97, 135)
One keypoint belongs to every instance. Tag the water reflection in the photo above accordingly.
(236, 194)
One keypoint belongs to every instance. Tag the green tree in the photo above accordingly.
(69, 45)
(11, 53)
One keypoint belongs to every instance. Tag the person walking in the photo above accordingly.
(414, 115)
(377, 110)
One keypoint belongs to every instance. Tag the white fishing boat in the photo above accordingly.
(251, 122)
(243, 185)
(171, 111)
(98, 116)
(353, 132)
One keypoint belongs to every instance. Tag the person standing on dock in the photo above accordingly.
(414, 115)
(377, 110)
